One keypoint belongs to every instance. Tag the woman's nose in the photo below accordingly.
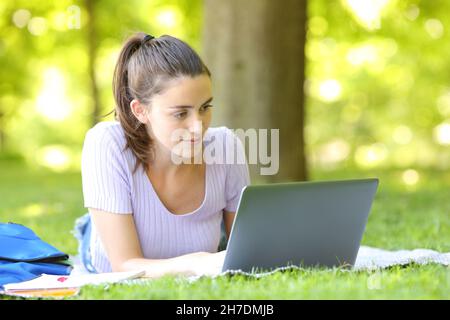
(196, 127)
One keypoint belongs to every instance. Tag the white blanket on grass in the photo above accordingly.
(368, 258)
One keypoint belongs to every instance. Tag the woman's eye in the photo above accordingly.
(180, 115)
(207, 106)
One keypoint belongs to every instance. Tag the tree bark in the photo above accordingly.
(255, 52)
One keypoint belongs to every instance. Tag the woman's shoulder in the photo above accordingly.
(106, 133)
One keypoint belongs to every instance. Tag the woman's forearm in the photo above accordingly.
(155, 268)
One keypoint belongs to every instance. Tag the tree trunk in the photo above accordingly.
(92, 51)
(255, 52)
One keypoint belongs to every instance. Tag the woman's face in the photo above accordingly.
(181, 113)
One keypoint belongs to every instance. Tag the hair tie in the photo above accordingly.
(147, 38)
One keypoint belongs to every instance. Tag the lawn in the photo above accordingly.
(401, 218)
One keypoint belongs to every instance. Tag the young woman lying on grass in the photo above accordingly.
(149, 211)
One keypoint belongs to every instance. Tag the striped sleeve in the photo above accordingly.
(105, 174)
(237, 172)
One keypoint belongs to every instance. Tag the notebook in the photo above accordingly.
(48, 285)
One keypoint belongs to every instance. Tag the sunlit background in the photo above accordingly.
(378, 86)
(377, 104)
(377, 79)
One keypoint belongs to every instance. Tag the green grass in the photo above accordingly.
(44, 201)
(412, 282)
(401, 218)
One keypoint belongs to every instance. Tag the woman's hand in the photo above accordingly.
(205, 263)
(191, 264)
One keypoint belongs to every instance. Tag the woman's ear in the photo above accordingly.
(139, 111)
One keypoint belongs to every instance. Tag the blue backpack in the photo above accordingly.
(24, 256)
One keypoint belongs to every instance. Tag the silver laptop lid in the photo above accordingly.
(319, 223)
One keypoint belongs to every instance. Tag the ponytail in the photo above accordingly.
(135, 132)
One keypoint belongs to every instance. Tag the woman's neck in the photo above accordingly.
(162, 163)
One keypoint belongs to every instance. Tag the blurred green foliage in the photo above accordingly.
(378, 99)
(45, 95)
(378, 84)
(378, 80)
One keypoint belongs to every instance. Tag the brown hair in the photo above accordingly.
(144, 66)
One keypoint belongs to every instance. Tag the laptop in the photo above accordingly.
(305, 224)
